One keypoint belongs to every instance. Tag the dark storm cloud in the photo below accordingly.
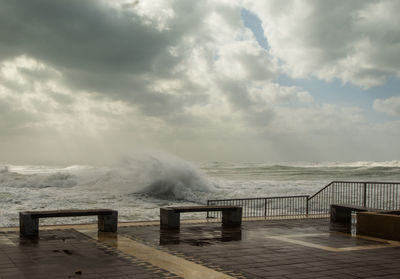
(62, 98)
(85, 35)
(96, 48)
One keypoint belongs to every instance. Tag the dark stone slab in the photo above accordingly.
(202, 208)
(67, 213)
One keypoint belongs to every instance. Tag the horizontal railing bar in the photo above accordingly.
(368, 182)
(251, 199)
(321, 190)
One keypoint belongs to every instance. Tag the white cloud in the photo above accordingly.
(389, 106)
(245, 61)
(354, 41)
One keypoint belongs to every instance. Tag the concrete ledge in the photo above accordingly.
(381, 225)
(341, 213)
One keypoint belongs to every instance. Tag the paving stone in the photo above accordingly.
(68, 254)
(256, 255)
(256, 251)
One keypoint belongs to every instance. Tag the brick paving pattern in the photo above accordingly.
(260, 249)
(68, 254)
(256, 252)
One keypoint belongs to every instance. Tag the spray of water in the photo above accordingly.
(161, 175)
(152, 174)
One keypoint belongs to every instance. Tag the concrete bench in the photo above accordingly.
(170, 216)
(29, 220)
(341, 213)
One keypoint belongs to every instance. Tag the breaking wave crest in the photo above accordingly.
(165, 177)
(17, 180)
(155, 175)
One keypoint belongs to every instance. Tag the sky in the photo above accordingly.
(238, 80)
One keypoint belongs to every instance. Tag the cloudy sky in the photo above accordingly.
(270, 81)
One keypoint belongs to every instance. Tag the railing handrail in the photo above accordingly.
(367, 182)
(264, 198)
(332, 182)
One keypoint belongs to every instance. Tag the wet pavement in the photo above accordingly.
(68, 254)
(302, 248)
(277, 249)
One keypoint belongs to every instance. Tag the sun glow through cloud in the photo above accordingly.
(214, 80)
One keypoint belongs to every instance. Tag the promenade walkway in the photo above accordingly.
(302, 248)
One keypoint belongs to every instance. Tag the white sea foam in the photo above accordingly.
(153, 174)
(246, 165)
(138, 185)
(357, 164)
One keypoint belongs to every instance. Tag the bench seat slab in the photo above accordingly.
(203, 208)
(67, 213)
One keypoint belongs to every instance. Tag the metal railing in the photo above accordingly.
(268, 207)
(380, 195)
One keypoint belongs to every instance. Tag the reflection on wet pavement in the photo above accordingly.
(197, 237)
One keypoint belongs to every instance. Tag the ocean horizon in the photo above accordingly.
(138, 187)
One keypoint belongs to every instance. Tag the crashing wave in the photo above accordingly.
(165, 177)
(155, 175)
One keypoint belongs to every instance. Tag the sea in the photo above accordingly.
(138, 186)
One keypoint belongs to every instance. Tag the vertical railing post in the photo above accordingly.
(265, 208)
(364, 194)
(307, 199)
(208, 213)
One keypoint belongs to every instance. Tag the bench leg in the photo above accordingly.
(232, 218)
(109, 222)
(169, 219)
(28, 226)
(340, 215)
